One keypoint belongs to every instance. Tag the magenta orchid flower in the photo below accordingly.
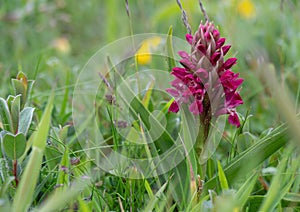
(203, 72)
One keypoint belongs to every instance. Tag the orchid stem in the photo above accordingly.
(15, 171)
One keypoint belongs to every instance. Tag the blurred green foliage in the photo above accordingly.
(51, 41)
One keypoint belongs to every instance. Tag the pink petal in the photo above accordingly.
(187, 64)
(184, 54)
(207, 35)
(189, 38)
(215, 57)
(234, 119)
(230, 81)
(201, 48)
(216, 34)
(220, 43)
(178, 72)
(229, 63)
(225, 49)
(174, 107)
(233, 100)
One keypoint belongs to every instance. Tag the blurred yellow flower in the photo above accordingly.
(246, 8)
(143, 54)
(62, 45)
(236, 209)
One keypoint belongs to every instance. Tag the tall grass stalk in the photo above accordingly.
(29, 178)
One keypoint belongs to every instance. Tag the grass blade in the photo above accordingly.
(281, 183)
(222, 177)
(292, 197)
(156, 198)
(244, 191)
(30, 176)
(253, 156)
(170, 51)
(57, 200)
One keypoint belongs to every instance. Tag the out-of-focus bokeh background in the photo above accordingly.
(48, 39)
(51, 41)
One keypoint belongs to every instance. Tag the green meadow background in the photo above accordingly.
(51, 41)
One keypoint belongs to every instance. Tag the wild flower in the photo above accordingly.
(205, 81)
(246, 9)
(143, 54)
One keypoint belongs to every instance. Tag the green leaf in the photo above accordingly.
(66, 97)
(281, 182)
(254, 202)
(5, 186)
(9, 100)
(5, 116)
(20, 88)
(243, 164)
(14, 145)
(57, 200)
(186, 172)
(244, 191)
(148, 188)
(83, 205)
(15, 112)
(30, 176)
(63, 176)
(292, 197)
(4, 169)
(170, 51)
(153, 201)
(53, 156)
(147, 97)
(22, 77)
(25, 119)
(222, 177)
